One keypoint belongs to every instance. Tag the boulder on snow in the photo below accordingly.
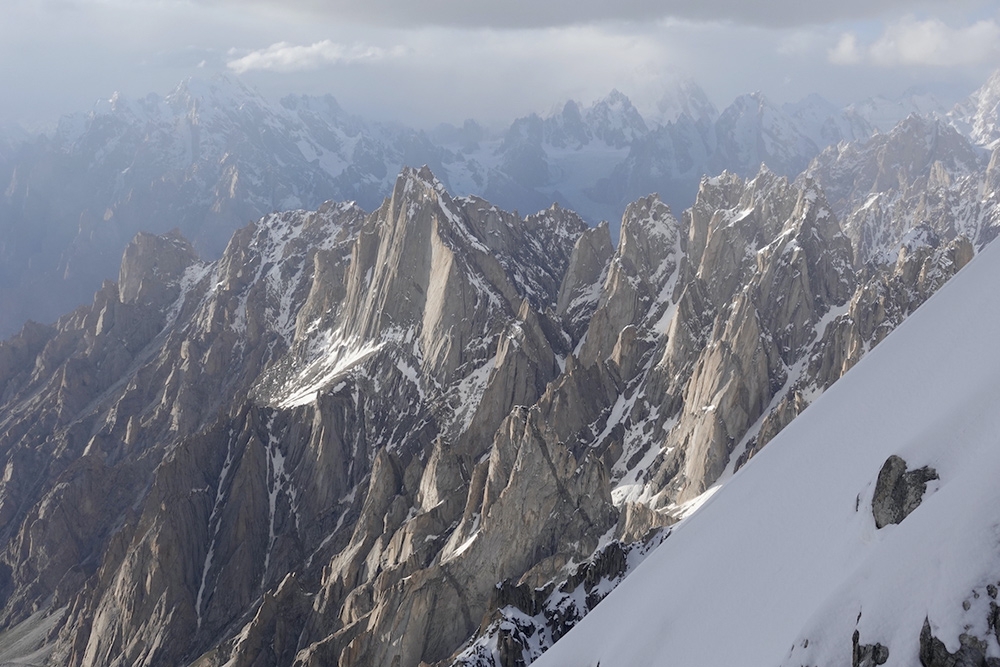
(971, 651)
(898, 491)
(867, 655)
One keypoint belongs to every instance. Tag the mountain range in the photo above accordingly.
(213, 155)
(440, 432)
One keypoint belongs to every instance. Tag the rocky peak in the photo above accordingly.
(432, 280)
(825, 123)
(747, 218)
(649, 234)
(752, 130)
(917, 143)
(399, 241)
(685, 97)
(221, 92)
(720, 192)
(529, 130)
(586, 273)
(552, 233)
(812, 210)
(567, 129)
(152, 267)
(805, 272)
(917, 152)
(771, 198)
(481, 233)
(979, 114)
(615, 121)
(923, 166)
(641, 276)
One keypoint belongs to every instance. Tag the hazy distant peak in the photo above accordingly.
(571, 111)
(615, 98)
(221, 90)
(749, 105)
(883, 113)
(825, 123)
(325, 104)
(684, 96)
(615, 120)
(977, 115)
(812, 101)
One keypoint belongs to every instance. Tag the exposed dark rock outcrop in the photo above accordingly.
(898, 491)
(971, 651)
(867, 655)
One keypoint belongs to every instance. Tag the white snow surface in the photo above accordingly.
(787, 550)
(340, 357)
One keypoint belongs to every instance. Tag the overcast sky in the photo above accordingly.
(422, 62)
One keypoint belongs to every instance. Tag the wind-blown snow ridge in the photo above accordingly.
(787, 555)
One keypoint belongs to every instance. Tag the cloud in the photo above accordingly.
(929, 42)
(552, 13)
(285, 57)
(506, 58)
(847, 51)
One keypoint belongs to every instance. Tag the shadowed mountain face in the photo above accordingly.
(437, 432)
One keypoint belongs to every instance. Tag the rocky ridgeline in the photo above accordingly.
(436, 433)
(212, 155)
(206, 159)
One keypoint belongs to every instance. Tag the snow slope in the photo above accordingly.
(784, 562)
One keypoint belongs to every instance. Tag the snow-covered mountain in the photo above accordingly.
(205, 159)
(884, 113)
(752, 131)
(978, 115)
(923, 172)
(538, 161)
(825, 124)
(683, 97)
(793, 562)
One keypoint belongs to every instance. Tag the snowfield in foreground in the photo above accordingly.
(784, 563)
